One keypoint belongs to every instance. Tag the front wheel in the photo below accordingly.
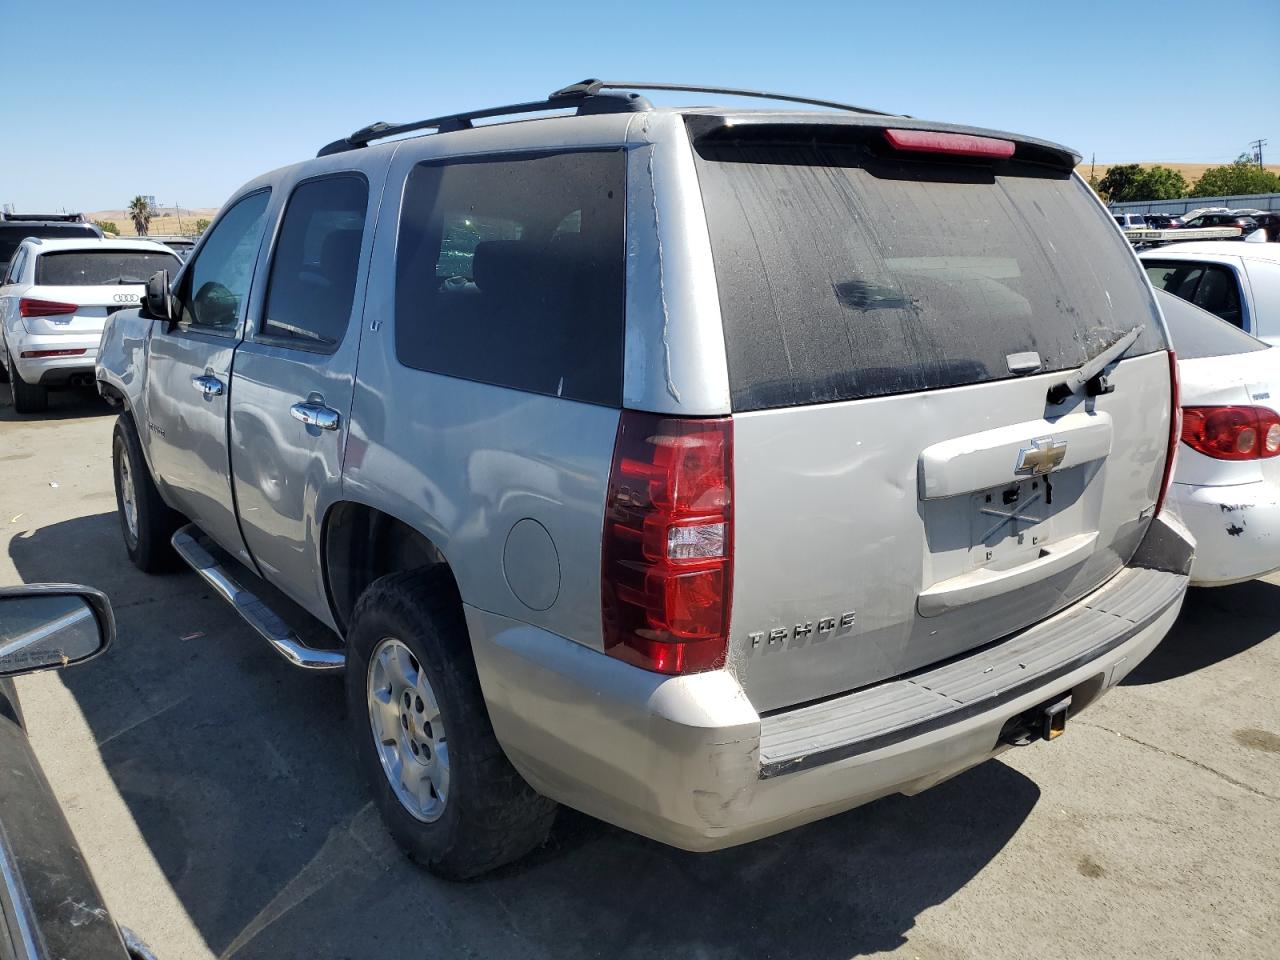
(444, 787)
(146, 521)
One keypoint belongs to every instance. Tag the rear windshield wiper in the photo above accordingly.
(121, 281)
(1088, 375)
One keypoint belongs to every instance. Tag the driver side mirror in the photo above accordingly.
(43, 626)
(158, 300)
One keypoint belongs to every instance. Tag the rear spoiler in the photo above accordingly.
(708, 129)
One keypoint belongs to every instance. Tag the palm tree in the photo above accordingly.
(140, 212)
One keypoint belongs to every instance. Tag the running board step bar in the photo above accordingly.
(219, 574)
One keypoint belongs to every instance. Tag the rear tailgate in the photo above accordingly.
(93, 304)
(890, 509)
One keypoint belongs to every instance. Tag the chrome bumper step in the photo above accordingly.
(223, 573)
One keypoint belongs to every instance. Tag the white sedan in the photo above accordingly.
(1226, 479)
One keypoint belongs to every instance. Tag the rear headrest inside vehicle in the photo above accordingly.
(505, 268)
(340, 256)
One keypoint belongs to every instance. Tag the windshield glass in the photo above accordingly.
(83, 268)
(843, 274)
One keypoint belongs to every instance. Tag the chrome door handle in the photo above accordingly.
(315, 415)
(210, 386)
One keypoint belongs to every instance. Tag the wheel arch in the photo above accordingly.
(360, 543)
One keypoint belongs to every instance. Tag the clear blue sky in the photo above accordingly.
(188, 100)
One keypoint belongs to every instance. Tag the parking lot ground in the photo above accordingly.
(217, 801)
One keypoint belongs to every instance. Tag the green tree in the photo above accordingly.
(1162, 183)
(1242, 177)
(107, 226)
(1118, 183)
(201, 226)
(140, 213)
(1128, 182)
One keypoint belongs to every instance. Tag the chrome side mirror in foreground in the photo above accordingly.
(48, 625)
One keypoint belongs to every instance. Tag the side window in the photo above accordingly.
(1219, 293)
(1180, 279)
(1264, 278)
(15, 266)
(512, 272)
(313, 271)
(462, 234)
(216, 285)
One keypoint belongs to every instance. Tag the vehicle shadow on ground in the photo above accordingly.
(1197, 639)
(63, 405)
(237, 772)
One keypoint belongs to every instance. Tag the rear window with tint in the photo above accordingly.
(511, 271)
(84, 268)
(844, 273)
(1198, 333)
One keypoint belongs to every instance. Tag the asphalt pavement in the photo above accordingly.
(219, 805)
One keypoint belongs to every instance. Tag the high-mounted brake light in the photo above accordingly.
(954, 144)
(30, 307)
(667, 552)
(1232, 433)
(1175, 428)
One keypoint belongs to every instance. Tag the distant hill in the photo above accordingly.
(167, 221)
(1191, 172)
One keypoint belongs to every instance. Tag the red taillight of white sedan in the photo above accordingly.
(1232, 432)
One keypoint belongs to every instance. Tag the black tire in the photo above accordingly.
(27, 397)
(491, 816)
(149, 548)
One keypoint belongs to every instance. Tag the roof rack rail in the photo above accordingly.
(585, 96)
(591, 88)
(585, 104)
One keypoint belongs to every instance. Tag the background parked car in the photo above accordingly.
(1226, 480)
(54, 298)
(1269, 222)
(1130, 221)
(1246, 224)
(1236, 280)
(16, 227)
(179, 244)
(1158, 221)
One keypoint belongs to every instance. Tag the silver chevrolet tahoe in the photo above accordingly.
(708, 470)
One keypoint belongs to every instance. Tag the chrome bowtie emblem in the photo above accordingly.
(1043, 455)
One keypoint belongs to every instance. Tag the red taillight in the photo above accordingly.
(955, 144)
(37, 354)
(667, 553)
(1232, 433)
(1175, 428)
(30, 307)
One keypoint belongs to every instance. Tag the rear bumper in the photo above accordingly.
(53, 371)
(688, 761)
(1237, 530)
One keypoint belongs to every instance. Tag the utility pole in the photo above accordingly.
(1093, 162)
(178, 212)
(1257, 146)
